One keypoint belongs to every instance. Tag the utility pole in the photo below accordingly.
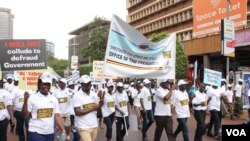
(228, 17)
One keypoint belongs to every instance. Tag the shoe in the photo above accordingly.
(144, 139)
(217, 137)
(210, 135)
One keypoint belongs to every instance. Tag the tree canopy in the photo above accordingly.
(181, 59)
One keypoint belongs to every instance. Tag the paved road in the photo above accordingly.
(136, 135)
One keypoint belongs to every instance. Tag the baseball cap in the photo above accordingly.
(9, 76)
(85, 79)
(163, 80)
(63, 80)
(46, 77)
(181, 82)
(126, 86)
(119, 84)
(71, 83)
(110, 83)
(240, 80)
(146, 81)
(132, 83)
(223, 80)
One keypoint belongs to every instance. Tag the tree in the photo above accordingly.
(98, 36)
(58, 65)
(181, 58)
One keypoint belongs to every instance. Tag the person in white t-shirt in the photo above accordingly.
(181, 104)
(86, 104)
(214, 102)
(163, 110)
(122, 112)
(238, 105)
(6, 113)
(64, 99)
(44, 111)
(146, 108)
(135, 93)
(229, 95)
(199, 103)
(108, 109)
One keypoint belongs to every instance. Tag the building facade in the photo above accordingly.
(6, 23)
(80, 40)
(156, 16)
(50, 48)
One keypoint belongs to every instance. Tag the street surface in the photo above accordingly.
(137, 136)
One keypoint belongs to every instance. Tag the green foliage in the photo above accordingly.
(85, 69)
(98, 32)
(181, 62)
(181, 59)
(58, 65)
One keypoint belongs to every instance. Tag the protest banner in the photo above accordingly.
(212, 77)
(130, 54)
(23, 54)
(28, 79)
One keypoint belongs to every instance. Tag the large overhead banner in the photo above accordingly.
(23, 55)
(207, 15)
(130, 54)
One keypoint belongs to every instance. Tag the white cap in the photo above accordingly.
(163, 80)
(119, 84)
(146, 81)
(16, 79)
(71, 83)
(110, 83)
(181, 82)
(126, 86)
(85, 79)
(46, 77)
(240, 80)
(63, 80)
(132, 83)
(9, 76)
(223, 80)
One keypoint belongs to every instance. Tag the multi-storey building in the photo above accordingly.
(156, 16)
(6, 23)
(50, 48)
(80, 41)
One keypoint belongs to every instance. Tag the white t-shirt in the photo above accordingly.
(84, 101)
(109, 104)
(238, 90)
(5, 101)
(147, 98)
(121, 101)
(162, 107)
(214, 103)
(199, 98)
(230, 95)
(43, 109)
(64, 100)
(18, 99)
(181, 103)
(136, 96)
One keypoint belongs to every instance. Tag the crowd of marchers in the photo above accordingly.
(59, 108)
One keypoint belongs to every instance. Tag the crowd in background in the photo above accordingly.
(60, 107)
